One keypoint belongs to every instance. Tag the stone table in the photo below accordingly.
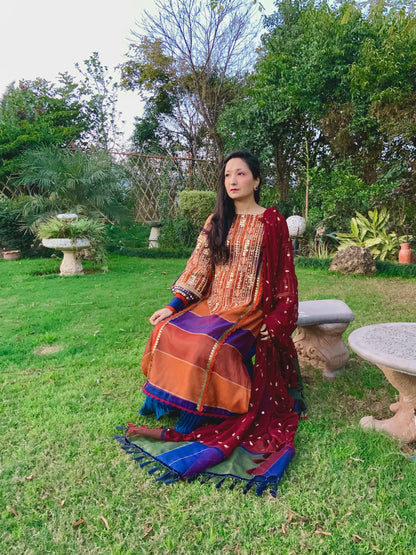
(392, 347)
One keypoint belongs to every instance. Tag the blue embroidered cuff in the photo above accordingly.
(177, 304)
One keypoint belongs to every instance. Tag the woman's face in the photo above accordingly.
(239, 181)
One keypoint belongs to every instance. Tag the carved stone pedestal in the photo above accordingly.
(402, 424)
(392, 347)
(321, 346)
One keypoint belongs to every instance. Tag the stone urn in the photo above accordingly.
(71, 264)
(405, 254)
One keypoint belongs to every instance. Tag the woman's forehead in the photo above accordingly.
(236, 164)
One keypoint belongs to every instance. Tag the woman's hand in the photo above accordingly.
(159, 315)
(264, 333)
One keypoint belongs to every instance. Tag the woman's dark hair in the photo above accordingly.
(224, 209)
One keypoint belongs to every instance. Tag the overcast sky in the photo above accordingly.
(42, 38)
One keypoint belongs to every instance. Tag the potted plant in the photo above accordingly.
(72, 235)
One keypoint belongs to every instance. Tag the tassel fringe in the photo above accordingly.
(169, 476)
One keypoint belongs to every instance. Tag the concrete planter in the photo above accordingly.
(11, 255)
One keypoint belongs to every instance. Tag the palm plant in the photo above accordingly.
(87, 183)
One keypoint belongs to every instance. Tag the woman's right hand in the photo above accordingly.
(159, 315)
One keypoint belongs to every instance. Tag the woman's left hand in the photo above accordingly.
(264, 333)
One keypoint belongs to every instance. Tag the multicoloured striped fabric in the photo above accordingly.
(194, 361)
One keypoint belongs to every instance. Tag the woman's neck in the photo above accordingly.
(248, 208)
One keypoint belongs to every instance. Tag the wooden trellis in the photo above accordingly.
(155, 179)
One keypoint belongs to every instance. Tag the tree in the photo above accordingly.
(186, 63)
(99, 95)
(33, 113)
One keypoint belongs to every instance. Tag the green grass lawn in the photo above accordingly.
(70, 352)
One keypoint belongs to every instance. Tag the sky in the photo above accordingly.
(43, 38)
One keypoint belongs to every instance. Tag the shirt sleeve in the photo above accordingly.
(195, 280)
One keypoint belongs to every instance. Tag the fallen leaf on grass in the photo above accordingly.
(121, 329)
(372, 482)
(28, 478)
(78, 523)
(289, 517)
(376, 549)
(356, 538)
(105, 522)
(82, 479)
(13, 511)
(322, 533)
(147, 531)
(62, 503)
(96, 331)
(284, 531)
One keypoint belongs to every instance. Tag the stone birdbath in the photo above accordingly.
(71, 264)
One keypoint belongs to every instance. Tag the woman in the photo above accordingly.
(237, 295)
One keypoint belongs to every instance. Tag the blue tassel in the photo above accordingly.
(119, 438)
(122, 428)
(220, 483)
(273, 491)
(172, 480)
(145, 463)
(164, 476)
(139, 458)
(232, 486)
(153, 470)
(248, 486)
(193, 478)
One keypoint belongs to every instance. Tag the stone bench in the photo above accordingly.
(318, 338)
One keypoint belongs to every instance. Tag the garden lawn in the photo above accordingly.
(70, 352)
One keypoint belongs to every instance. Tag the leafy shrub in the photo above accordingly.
(384, 267)
(372, 233)
(177, 233)
(11, 234)
(196, 206)
(134, 236)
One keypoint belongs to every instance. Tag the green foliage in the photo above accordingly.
(87, 183)
(312, 262)
(176, 233)
(135, 235)
(196, 206)
(334, 197)
(372, 233)
(81, 228)
(37, 113)
(11, 234)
